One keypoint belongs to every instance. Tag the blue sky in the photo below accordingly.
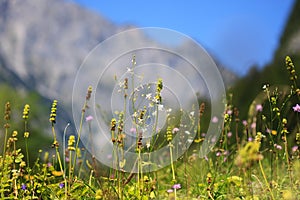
(239, 34)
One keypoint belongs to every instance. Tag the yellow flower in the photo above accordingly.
(274, 132)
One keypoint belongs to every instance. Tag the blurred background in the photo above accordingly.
(44, 42)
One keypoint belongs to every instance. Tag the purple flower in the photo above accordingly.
(245, 123)
(250, 139)
(61, 185)
(89, 118)
(296, 108)
(169, 191)
(294, 148)
(176, 186)
(23, 186)
(214, 119)
(259, 108)
(218, 154)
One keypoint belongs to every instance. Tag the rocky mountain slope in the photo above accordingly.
(44, 42)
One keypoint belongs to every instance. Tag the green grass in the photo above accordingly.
(255, 158)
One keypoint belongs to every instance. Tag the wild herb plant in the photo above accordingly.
(254, 158)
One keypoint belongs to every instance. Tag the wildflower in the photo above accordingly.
(160, 107)
(159, 87)
(291, 68)
(213, 139)
(250, 139)
(176, 186)
(229, 112)
(294, 148)
(187, 132)
(218, 154)
(175, 130)
(274, 132)
(71, 143)
(259, 108)
(61, 185)
(245, 123)
(253, 125)
(169, 134)
(278, 146)
(26, 111)
(148, 96)
(52, 118)
(99, 194)
(26, 134)
(169, 191)
(23, 186)
(229, 134)
(89, 118)
(113, 124)
(133, 130)
(296, 108)
(214, 119)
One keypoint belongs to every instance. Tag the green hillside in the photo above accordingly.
(275, 73)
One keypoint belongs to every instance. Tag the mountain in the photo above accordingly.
(44, 42)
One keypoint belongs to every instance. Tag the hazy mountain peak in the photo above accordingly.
(44, 42)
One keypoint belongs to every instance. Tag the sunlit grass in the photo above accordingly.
(254, 158)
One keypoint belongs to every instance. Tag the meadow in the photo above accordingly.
(254, 158)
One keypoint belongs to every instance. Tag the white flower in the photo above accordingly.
(160, 107)
(187, 132)
(148, 96)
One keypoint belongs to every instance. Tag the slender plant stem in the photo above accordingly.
(265, 178)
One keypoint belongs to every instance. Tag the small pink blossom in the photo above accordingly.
(169, 191)
(175, 130)
(250, 139)
(229, 112)
(245, 123)
(259, 108)
(214, 119)
(218, 154)
(294, 148)
(133, 130)
(278, 146)
(203, 134)
(296, 108)
(253, 125)
(89, 118)
(176, 186)
(229, 134)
